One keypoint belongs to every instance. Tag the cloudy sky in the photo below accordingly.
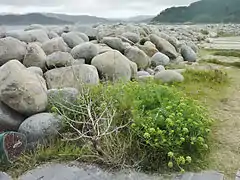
(103, 8)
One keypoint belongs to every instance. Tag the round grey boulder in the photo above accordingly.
(54, 45)
(83, 36)
(40, 127)
(114, 43)
(35, 56)
(59, 59)
(11, 48)
(36, 70)
(73, 76)
(164, 46)
(72, 39)
(4, 176)
(21, 89)
(159, 68)
(112, 65)
(85, 51)
(142, 73)
(169, 76)
(188, 54)
(159, 59)
(63, 96)
(138, 56)
(193, 46)
(52, 34)
(10, 120)
(133, 37)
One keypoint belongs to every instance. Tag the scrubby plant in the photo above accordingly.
(144, 125)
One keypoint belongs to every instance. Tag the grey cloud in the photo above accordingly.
(98, 7)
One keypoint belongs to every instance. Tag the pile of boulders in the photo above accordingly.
(39, 62)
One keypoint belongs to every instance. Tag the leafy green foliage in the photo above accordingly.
(158, 121)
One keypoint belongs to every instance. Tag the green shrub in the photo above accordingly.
(212, 76)
(137, 124)
(224, 63)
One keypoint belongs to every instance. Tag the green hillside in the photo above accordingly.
(204, 11)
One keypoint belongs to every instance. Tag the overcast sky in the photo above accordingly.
(103, 8)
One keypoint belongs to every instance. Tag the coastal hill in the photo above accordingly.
(204, 11)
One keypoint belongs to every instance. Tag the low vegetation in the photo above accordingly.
(150, 126)
(223, 63)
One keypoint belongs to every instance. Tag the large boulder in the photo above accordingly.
(72, 76)
(114, 43)
(36, 70)
(10, 120)
(138, 56)
(149, 50)
(85, 51)
(169, 76)
(11, 48)
(4, 176)
(72, 39)
(35, 56)
(54, 45)
(21, 89)
(59, 59)
(41, 127)
(63, 96)
(102, 48)
(112, 65)
(188, 54)
(52, 34)
(133, 37)
(36, 35)
(164, 46)
(83, 36)
(193, 46)
(159, 59)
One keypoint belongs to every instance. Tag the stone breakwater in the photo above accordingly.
(39, 62)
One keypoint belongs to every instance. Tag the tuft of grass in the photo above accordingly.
(227, 53)
(223, 63)
(224, 34)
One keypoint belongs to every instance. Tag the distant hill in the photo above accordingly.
(32, 18)
(82, 19)
(204, 11)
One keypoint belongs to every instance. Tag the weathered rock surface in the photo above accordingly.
(138, 56)
(169, 76)
(54, 45)
(72, 39)
(21, 89)
(133, 37)
(36, 70)
(9, 119)
(112, 65)
(159, 69)
(72, 76)
(159, 59)
(164, 46)
(65, 95)
(4, 176)
(114, 43)
(188, 54)
(40, 127)
(59, 59)
(11, 48)
(35, 56)
(85, 51)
